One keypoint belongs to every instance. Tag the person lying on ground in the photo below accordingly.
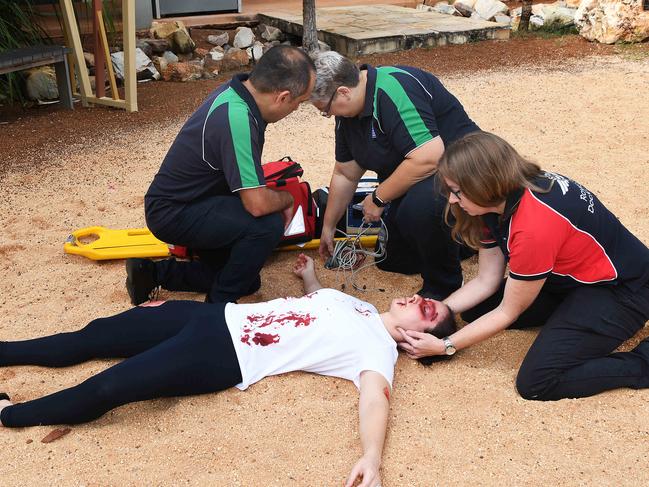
(574, 269)
(179, 348)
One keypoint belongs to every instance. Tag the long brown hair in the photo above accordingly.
(487, 169)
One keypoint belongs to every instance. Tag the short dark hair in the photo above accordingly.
(283, 68)
(447, 326)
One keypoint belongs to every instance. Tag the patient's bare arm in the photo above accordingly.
(305, 269)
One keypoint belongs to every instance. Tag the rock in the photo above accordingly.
(610, 21)
(211, 65)
(270, 45)
(41, 84)
(256, 51)
(424, 7)
(270, 33)
(181, 43)
(234, 58)
(463, 9)
(170, 57)
(200, 52)
(572, 3)
(243, 38)
(555, 16)
(165, 29)
(468, 3)
(217, 49)
(215, 55)
(55, 434)
(90, 59)
(183, 72)
(158, 46)
(160, 63)
(143, 65)
(502, 19)
(218, 40)
(146, 48)
(445, 8)
(488, 8)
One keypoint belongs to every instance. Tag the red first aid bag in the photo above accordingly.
(284, 175)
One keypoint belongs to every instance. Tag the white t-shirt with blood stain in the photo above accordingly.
(326, 332)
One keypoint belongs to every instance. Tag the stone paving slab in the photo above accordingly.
(359, 30)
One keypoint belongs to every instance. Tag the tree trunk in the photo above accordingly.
(526, 12)
(309, 33)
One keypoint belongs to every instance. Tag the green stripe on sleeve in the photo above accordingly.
(407, 110)
(240, 132)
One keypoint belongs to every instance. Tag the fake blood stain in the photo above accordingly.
(386, 392)
(275, 322)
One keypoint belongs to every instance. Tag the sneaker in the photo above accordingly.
(141, 282)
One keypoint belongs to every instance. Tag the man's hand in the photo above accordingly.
(326, 249)
(371, 212)
(418, 345)
(366, 471)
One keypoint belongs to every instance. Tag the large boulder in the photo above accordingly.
(158, 46)
(610, 21)
(270, 33)
(555, 16)
(41, 84)
(176, 33)
(165, 29)
(218, 39)
(144, 67)
(183, 72)
(463, 8)
(243, 38)
(255, 52)
(181, 43)
(487, 9)
(234, 58)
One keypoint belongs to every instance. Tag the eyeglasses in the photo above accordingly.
(327, 108)
(456, 192)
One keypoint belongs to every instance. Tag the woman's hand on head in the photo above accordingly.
(417, 344)
(303, 265)
(366, 471)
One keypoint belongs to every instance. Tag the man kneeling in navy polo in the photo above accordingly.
(210, 194)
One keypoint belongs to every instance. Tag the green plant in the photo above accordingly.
(17, 29)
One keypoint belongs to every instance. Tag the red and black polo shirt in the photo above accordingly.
(567, 236)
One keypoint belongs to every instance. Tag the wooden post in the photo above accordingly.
(109, 62)
(130, 76)
(100, 57)
(70, 24)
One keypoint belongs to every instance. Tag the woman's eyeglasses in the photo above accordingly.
(327, 108)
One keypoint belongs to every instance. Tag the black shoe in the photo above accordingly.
(255, 285)
(4, 396)
(141, 280)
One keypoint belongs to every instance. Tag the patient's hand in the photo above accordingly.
(303, 266)
(305, 269)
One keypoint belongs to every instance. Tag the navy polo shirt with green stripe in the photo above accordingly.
(217, 152)
(404, 109)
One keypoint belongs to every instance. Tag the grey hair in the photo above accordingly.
(332, 71)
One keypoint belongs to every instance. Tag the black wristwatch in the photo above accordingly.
(378, 201)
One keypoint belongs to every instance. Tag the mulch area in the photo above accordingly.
(29, 135)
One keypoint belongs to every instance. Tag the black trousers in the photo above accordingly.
(232, 246)
(573, 354)
(176, 349)
(419, 241)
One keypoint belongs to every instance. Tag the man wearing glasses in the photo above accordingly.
(210, 194)
(394, 121)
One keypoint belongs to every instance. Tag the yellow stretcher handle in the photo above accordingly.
(115, 244)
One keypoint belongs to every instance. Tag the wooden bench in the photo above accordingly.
(30, 57)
